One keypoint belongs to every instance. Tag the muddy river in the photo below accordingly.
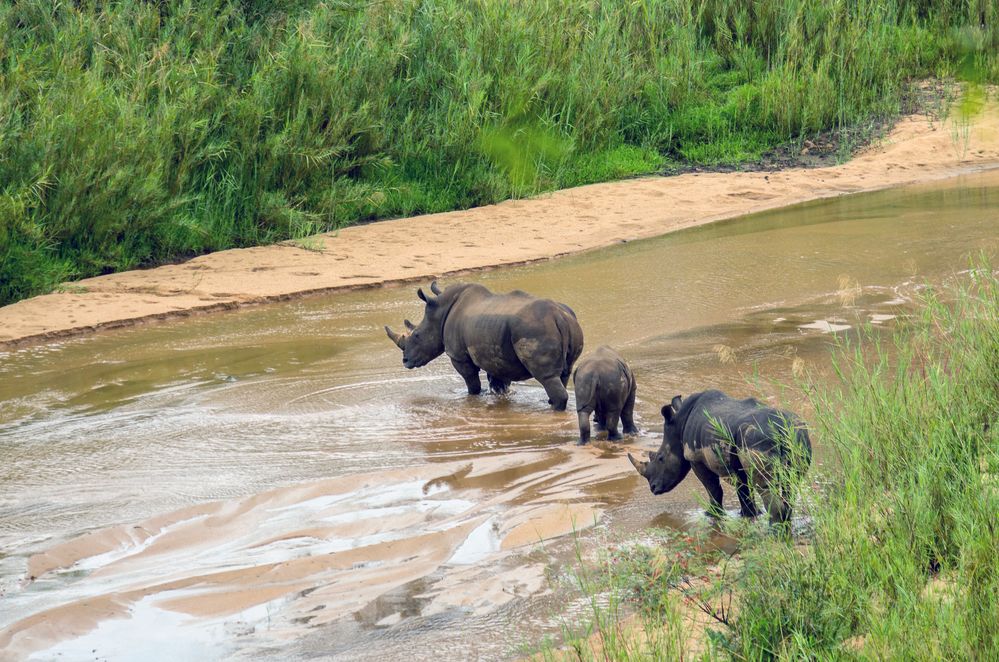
(273, 482)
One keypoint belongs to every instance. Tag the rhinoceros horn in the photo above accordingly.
(398, 338)
(433, 288)
(640, 467)
(409, 325)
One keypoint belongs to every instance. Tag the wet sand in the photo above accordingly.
(919, 149)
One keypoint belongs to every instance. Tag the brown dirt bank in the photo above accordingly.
(919, 149)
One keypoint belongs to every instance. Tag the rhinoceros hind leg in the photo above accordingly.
(777, 507)
(497, 385)
(600, 420)
(558, 397)
(584, 426)
(628, 415)
(612, 433)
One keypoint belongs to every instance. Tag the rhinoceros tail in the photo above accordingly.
(571, 347)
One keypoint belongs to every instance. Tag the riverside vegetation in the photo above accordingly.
(138, 132)
(900, 561)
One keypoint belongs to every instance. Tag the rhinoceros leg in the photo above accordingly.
(470, 373)
(612, 419)
(747, 507)
(497, 385)
(584, 426)
(709, 479)
(558, 397)
(777, 505)
(628, 414)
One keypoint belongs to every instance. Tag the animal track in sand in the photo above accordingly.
(305, 273)
(752, 195)
(263, 268)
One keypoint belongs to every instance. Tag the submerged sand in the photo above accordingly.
(919, 149)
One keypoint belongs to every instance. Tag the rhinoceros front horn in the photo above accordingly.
(397, 338)
(640, 467)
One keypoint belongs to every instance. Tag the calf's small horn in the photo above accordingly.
(639, 466)
(398, 339)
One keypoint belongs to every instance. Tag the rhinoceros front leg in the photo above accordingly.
(470, 373)
(709, 479)
(747, 507)
(558, 397)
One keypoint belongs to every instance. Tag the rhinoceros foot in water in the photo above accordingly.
(512, 337)
(604, 384)
(717, 436)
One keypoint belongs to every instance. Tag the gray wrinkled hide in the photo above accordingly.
(512, 337)
(750, 444)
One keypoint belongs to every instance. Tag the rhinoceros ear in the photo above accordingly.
(677, 400)
(409, 325)
(429, 300)
(433, 288)
(667, 412)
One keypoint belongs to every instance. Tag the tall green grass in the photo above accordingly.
(137, 132)
(903, 559)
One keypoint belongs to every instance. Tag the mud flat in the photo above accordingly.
(919, 149)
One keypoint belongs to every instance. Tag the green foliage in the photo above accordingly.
(903, 561)
(133, 133)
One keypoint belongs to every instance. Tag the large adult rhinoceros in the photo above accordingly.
(717, 436)
(512, 337)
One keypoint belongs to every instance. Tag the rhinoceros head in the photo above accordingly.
(425, 341)
(667, 466)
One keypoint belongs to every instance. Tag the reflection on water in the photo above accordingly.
(125, 425)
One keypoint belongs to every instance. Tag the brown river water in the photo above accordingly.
(272, 482)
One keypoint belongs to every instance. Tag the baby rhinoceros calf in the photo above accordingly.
(741, 440)
(604, 384)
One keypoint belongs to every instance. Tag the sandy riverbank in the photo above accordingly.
(919, 149)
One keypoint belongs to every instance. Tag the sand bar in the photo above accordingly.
(918, 149)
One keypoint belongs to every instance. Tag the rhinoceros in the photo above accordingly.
(717, 436)
(604, 384)
(512, 337)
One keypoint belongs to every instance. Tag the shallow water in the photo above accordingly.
(274, 481)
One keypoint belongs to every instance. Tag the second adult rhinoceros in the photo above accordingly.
(512, 337)
(743, 440)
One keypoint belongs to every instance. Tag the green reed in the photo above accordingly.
(900, 559)
(138, 132)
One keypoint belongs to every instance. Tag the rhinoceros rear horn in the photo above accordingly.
(640, 467)
(409, 325)
(398, 339)
(433, 288)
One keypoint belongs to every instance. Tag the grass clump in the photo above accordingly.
(902, 565)
(901, 560)
(133, 133)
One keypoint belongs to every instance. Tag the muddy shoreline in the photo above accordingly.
(920, 148)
